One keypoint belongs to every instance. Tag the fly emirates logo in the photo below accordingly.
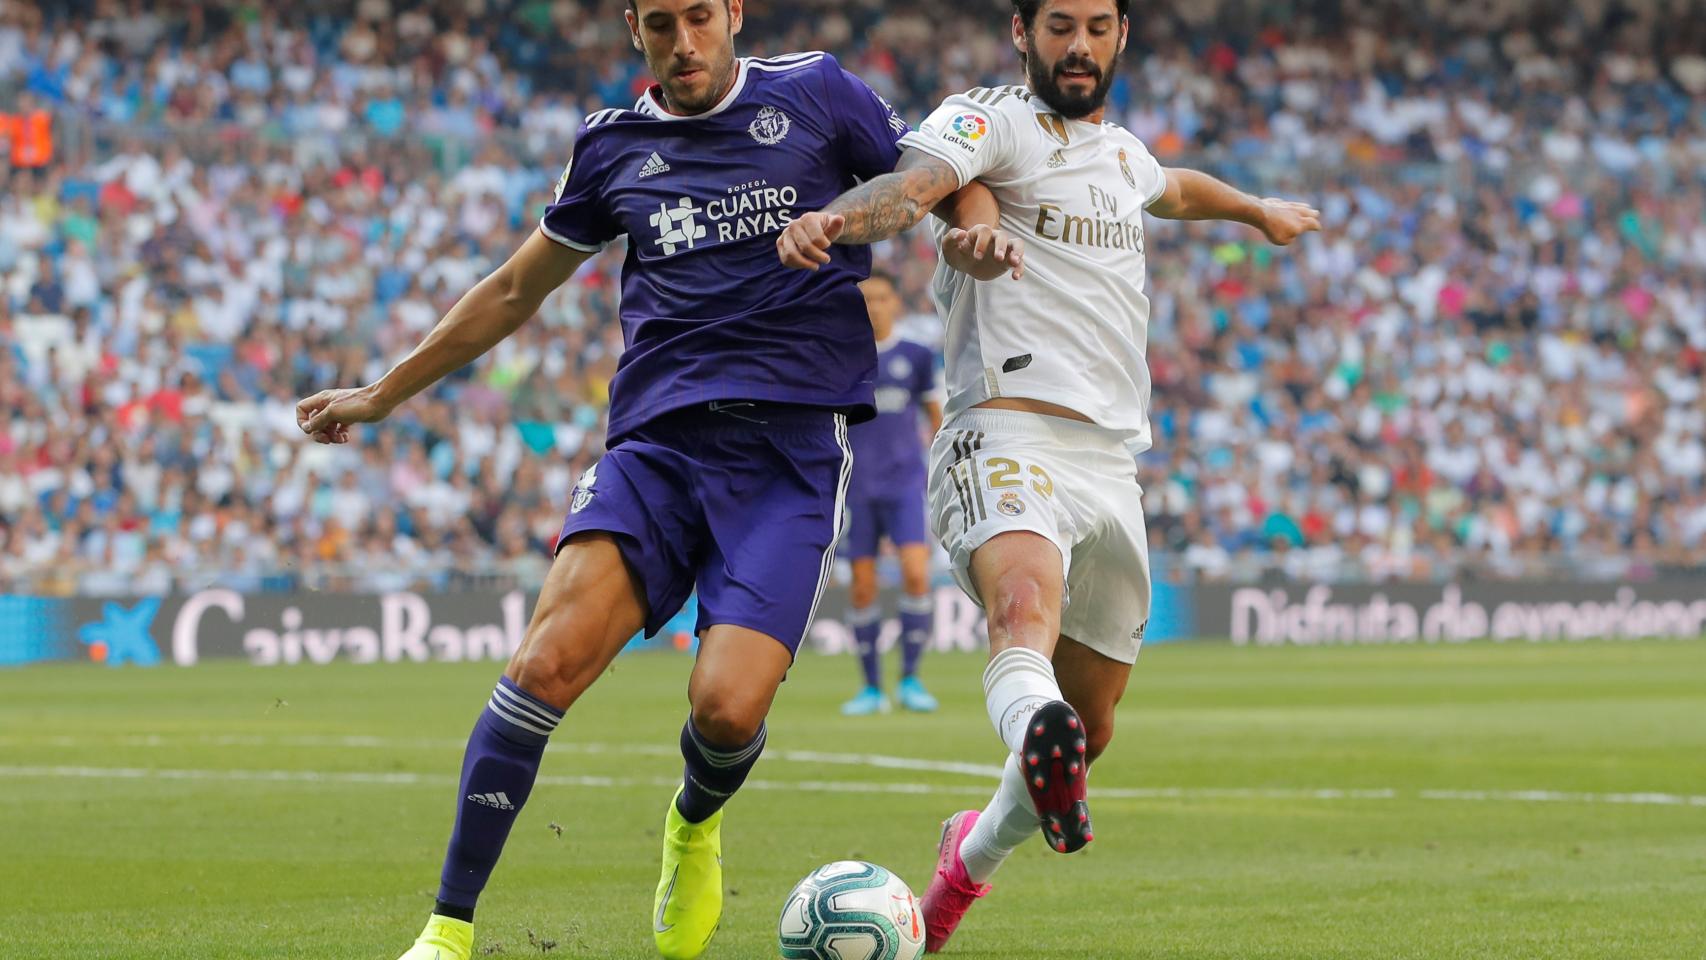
(1103, 228)
(745, 211)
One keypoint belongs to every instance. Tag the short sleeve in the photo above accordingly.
(870, 128)
(968, 136)
(1149, 174)
(578, 217)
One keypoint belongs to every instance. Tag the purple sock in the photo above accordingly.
(916, 614)
(497, 775)
(867, 623)
(713, 773)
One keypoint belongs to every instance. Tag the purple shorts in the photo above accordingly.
(901, 519)
(742, 500)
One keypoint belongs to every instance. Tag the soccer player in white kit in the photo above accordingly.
(1033, 483)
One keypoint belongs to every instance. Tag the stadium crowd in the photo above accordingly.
(1490, 363)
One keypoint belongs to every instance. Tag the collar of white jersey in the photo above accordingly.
(1041, 106)
(650, 106)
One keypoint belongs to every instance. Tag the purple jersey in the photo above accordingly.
(708, 313)
(888, 451)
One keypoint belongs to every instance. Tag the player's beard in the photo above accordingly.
(1045, 80)
(686, 100)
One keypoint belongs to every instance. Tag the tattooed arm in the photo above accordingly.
(875, 210)
(893, 203)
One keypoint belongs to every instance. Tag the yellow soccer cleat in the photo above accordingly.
(445, 938)
(689, 902)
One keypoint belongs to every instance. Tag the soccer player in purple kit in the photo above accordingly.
(886, 499)
(727, 457)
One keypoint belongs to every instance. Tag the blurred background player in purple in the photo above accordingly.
(886, 500)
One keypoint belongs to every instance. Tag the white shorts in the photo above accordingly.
(994, 471)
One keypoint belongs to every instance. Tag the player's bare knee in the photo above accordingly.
(551, 666)
(864, 593)
(726, 718)
(916, 583)
(1020, 613)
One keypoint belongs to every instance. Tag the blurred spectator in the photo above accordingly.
(1489, 363)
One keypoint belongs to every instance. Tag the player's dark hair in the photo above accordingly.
(634, 5)
(887, 278)
(1028, 10)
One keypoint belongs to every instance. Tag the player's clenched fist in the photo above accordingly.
(805, 244)
(327, 415)
(1285, 220)
(984, 252)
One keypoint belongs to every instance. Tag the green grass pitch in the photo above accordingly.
(230, 811)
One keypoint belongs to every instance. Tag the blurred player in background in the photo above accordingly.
(886, 500)
(1033, 483)
(728, 458)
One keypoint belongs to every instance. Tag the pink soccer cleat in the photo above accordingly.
(951, 891)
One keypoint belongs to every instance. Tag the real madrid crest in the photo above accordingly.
(770, 126)
(1010, 504)
(1125, 168)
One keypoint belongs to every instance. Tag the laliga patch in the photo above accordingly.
(967, 131)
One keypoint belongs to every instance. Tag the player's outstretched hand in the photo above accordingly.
(805, 244)
(985, 252)
(1285, 220)
(327, 415)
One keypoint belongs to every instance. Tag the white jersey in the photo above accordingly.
(1073, 331)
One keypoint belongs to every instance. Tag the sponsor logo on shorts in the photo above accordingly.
(1011, 505)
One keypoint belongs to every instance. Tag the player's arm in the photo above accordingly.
(893, 203)
(1192, 195)
(886, 206)
(495, 308)
(976, 245)
(880, 208)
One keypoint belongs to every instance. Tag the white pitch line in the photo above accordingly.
(860, 786)
(436, 779)
(877, 760)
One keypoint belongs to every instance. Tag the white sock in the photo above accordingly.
(1017, 682)
(1009, 820)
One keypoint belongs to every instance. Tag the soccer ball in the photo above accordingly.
(850, 910)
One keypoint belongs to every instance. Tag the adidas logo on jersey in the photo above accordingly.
(654, 166)
(497, 801)
(1056, 160)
